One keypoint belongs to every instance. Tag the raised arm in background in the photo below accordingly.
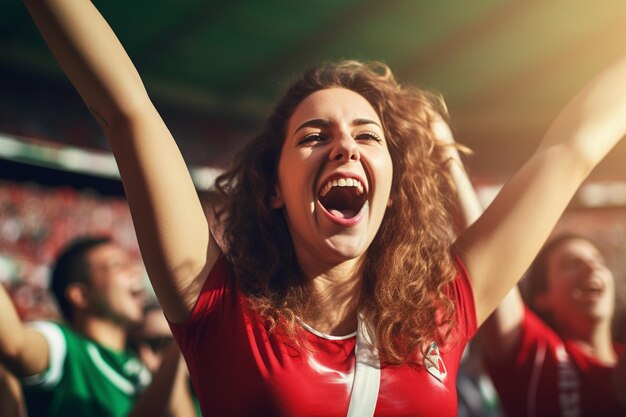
(476, 396)
(23, 350)
(172, 230)
(469, 206)
(500, 332)
(501, 244)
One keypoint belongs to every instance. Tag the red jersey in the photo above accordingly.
(550, 377)
(238, 368)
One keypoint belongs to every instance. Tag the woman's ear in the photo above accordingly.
(276, 199)
(77, 295)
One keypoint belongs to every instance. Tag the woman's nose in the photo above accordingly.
(345, 148)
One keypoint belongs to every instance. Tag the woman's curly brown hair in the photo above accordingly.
(408, 264)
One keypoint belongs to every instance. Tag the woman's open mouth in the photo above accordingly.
(343, 198)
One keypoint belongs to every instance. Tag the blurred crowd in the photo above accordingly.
(36, 222)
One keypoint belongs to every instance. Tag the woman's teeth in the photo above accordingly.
(342, 182)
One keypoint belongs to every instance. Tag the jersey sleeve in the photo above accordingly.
(57, 347)
(215, 299)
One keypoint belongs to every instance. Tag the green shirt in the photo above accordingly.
(83, 378)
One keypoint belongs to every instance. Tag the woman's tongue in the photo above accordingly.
(342, 214)
(341, 202)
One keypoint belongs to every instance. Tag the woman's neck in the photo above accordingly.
(335, 299)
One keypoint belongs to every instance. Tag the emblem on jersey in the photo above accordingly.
(434, 363)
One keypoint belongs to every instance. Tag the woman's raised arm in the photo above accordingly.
(500, 246)
(170, 224)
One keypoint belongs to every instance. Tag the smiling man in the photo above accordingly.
(558, 358)
(82, 367)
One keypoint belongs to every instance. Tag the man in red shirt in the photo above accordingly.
(556, 356)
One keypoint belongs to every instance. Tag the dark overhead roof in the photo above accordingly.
(504, 67)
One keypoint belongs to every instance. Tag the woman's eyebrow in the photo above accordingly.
(314, 123)
(360, 122)
(325, 123)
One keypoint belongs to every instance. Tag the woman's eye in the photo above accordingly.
(313, 137)
(369, 136)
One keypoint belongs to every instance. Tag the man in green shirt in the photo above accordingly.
(83, 367)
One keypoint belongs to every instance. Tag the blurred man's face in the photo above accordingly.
(116, 284)
(581, 289)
